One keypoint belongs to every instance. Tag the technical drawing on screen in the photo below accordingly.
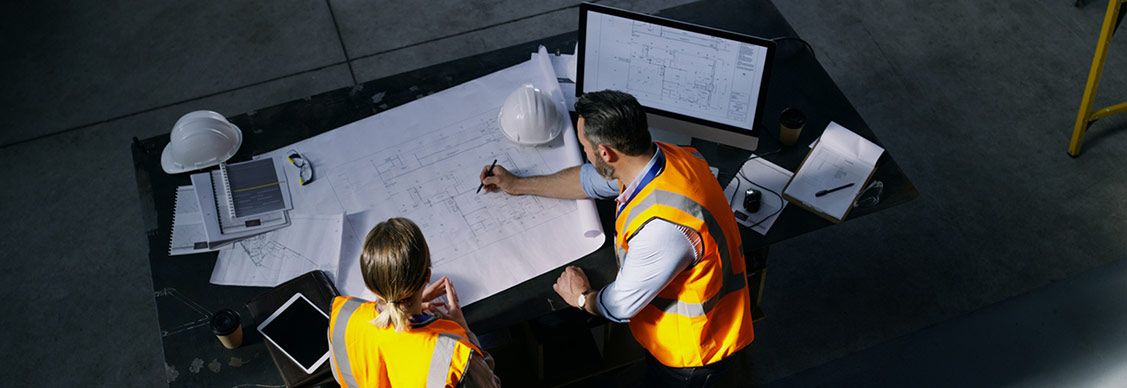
(711, 80)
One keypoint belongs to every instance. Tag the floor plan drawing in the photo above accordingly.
(310, 243)
(684, 69)
(704, 76)
(433, 180)
(422, 161)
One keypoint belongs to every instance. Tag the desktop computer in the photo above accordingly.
(693, 80)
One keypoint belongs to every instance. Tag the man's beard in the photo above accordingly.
(604, 169)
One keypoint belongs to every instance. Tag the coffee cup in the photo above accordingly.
(791, 122)
(225, 325)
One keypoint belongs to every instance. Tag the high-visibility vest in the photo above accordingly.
(363, 355)
(704, 314)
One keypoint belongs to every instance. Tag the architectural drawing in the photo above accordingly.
(421, 161)
(688, 70)
(432, 180)
(310, 243)
(681, 71)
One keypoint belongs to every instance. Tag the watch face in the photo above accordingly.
(582, 300)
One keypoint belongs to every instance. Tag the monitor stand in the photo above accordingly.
(682, 132)
(670, 137)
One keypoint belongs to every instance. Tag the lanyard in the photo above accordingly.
(658, 165)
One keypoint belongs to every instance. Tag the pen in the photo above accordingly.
(487, 174)
(824, 192)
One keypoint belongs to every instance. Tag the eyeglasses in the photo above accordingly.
(306, 175)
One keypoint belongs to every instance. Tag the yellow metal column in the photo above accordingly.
(1087, 115)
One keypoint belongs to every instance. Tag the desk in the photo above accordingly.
(184, 296)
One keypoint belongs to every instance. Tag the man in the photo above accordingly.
(681, 283)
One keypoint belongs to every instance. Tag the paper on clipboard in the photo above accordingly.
(840, 157)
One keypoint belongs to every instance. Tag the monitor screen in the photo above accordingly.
(696, 80)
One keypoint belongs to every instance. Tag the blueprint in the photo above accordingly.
(676, 70)
(311, 242)
(427, 178)
(422, 160)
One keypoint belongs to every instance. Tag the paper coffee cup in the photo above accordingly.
(791, 122)
(225, 325)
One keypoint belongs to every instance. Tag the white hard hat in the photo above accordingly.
(530, 117)
(200, 139)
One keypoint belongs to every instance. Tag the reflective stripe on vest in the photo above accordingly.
(440, 361)
(703, 314)
(730, 282)
(446, 363)
(340, 352)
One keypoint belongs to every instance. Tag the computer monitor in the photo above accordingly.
(694, 80)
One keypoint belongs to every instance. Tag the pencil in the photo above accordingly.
(487, 174)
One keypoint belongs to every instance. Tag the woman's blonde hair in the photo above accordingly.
(395, 261)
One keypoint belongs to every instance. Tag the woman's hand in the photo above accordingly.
(452, 309)
(432, 292)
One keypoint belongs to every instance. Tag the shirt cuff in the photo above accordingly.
(602, 309)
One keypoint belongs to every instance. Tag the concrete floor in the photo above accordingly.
(1008, 270)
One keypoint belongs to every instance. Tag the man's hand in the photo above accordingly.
(571, 284)
(564, 184)
(500, 179)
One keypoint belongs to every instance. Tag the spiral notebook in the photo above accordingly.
(188, 234)
(254, 188)
(242, 200)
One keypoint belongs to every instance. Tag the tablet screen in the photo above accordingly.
(299, 329)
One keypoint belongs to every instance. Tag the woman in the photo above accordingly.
(403, 339)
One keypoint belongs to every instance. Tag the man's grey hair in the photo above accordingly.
(615, 119)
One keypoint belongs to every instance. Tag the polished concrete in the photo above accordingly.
(1007, 271)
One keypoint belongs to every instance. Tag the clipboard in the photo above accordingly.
(847, 158)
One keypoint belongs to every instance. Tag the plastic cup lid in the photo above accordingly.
(224, 322)
(792, 118)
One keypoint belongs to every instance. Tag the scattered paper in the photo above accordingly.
(560, 64)
(311, 242)
(564, 66)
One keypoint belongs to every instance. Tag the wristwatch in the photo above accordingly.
(583, 298)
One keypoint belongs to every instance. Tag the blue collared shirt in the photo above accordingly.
(657, 253)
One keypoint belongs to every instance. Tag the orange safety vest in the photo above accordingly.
(704, 314)
(363, 355)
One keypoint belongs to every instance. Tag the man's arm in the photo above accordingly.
(658, 253)
(564, 184)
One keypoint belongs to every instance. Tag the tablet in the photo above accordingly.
(298, 329)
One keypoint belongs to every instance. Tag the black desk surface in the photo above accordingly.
(185, 298)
